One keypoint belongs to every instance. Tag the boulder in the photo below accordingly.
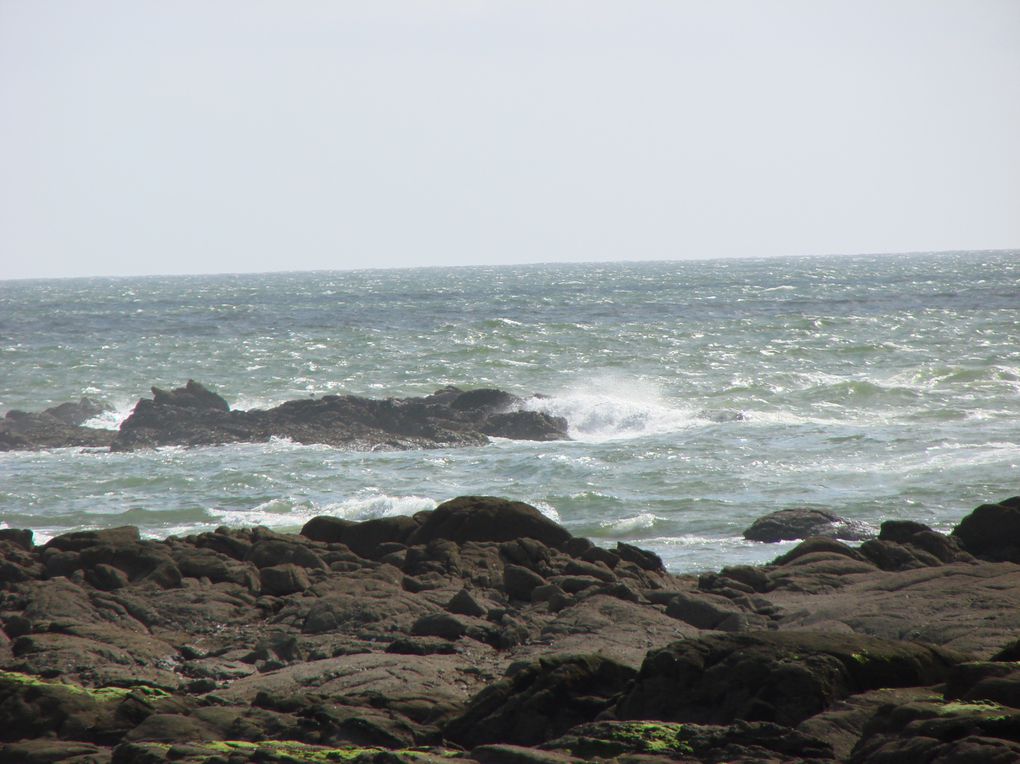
(781, 677)
(804, 522)
(992, 531)
(487, 518)
(540, 701)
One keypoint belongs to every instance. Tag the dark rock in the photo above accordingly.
(818, 544)
(192, 396)
(802, 523)
(487, 518)
(326, 528)
(463, 603)
(926, 731)
(281, 580)
(46, 751)
(107, 577)
(57, 427)
(741, 741)
(992, 531)
(642, 558)
(486, 399)
(20, 537)
(366, 539)
(705, 611)
(525, 425)
(79, 540)
(273, 552)
(900, 531)
(540, 701)
(781, 677)
(77, 414)
(889, 555)
(194, 416)
(421, 646)
(519, 582)
(441, 625)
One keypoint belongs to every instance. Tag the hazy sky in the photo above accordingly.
(234, 135)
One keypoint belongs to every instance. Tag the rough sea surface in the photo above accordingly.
(701, 394)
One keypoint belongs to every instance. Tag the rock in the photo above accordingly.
(57, 427)
(705, 611)
(992, 531)
(77, 414)
(18, 537)
(519, 582)
(818, 544)
(802, 523)
(275, 552)
(441, 625)
(487, 518)
(79, 540)
(781, 677)
(540, 701)
(933, 730)
(193, 415)
(367, 539)
(741, 741)
(463, 603)
(525, 425)
(642, 558)
(281, 580)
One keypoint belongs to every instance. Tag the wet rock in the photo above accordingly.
(992, 531)
(802, 523)
(193, 415)
(781, 677)
(281, 580)
(77, 414)
(933, 730)
(741, 741)
(487, 518)
(640, 557)
(463, 603)
(540, 701)
(519, 582)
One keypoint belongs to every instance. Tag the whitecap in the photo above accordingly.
(641, 521)
(613, 407)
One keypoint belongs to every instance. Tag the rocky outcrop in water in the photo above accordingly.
(804, 522)
(195, 416)
(483, 632)
(57, 427)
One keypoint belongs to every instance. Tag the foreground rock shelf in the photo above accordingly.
(195, 416)
(483, 632)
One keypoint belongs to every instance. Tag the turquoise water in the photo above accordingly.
(701, 395)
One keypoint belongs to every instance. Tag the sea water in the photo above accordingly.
(700, 394)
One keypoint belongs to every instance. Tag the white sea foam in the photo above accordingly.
(614, 407)
(641, 521)
(294, 511)
(111, 420)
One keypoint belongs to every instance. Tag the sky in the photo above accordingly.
(151, 137)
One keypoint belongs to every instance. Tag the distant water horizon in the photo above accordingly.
(701, 394)
(524, 263)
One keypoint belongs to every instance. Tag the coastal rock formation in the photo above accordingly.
(801, 523)
(196, 416)
(483, 632)
(56, 427)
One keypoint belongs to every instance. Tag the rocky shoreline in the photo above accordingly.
(193, 415)
(483, 632)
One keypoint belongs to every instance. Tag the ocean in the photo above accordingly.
(700, 394)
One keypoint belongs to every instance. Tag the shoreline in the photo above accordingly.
(482, 631)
